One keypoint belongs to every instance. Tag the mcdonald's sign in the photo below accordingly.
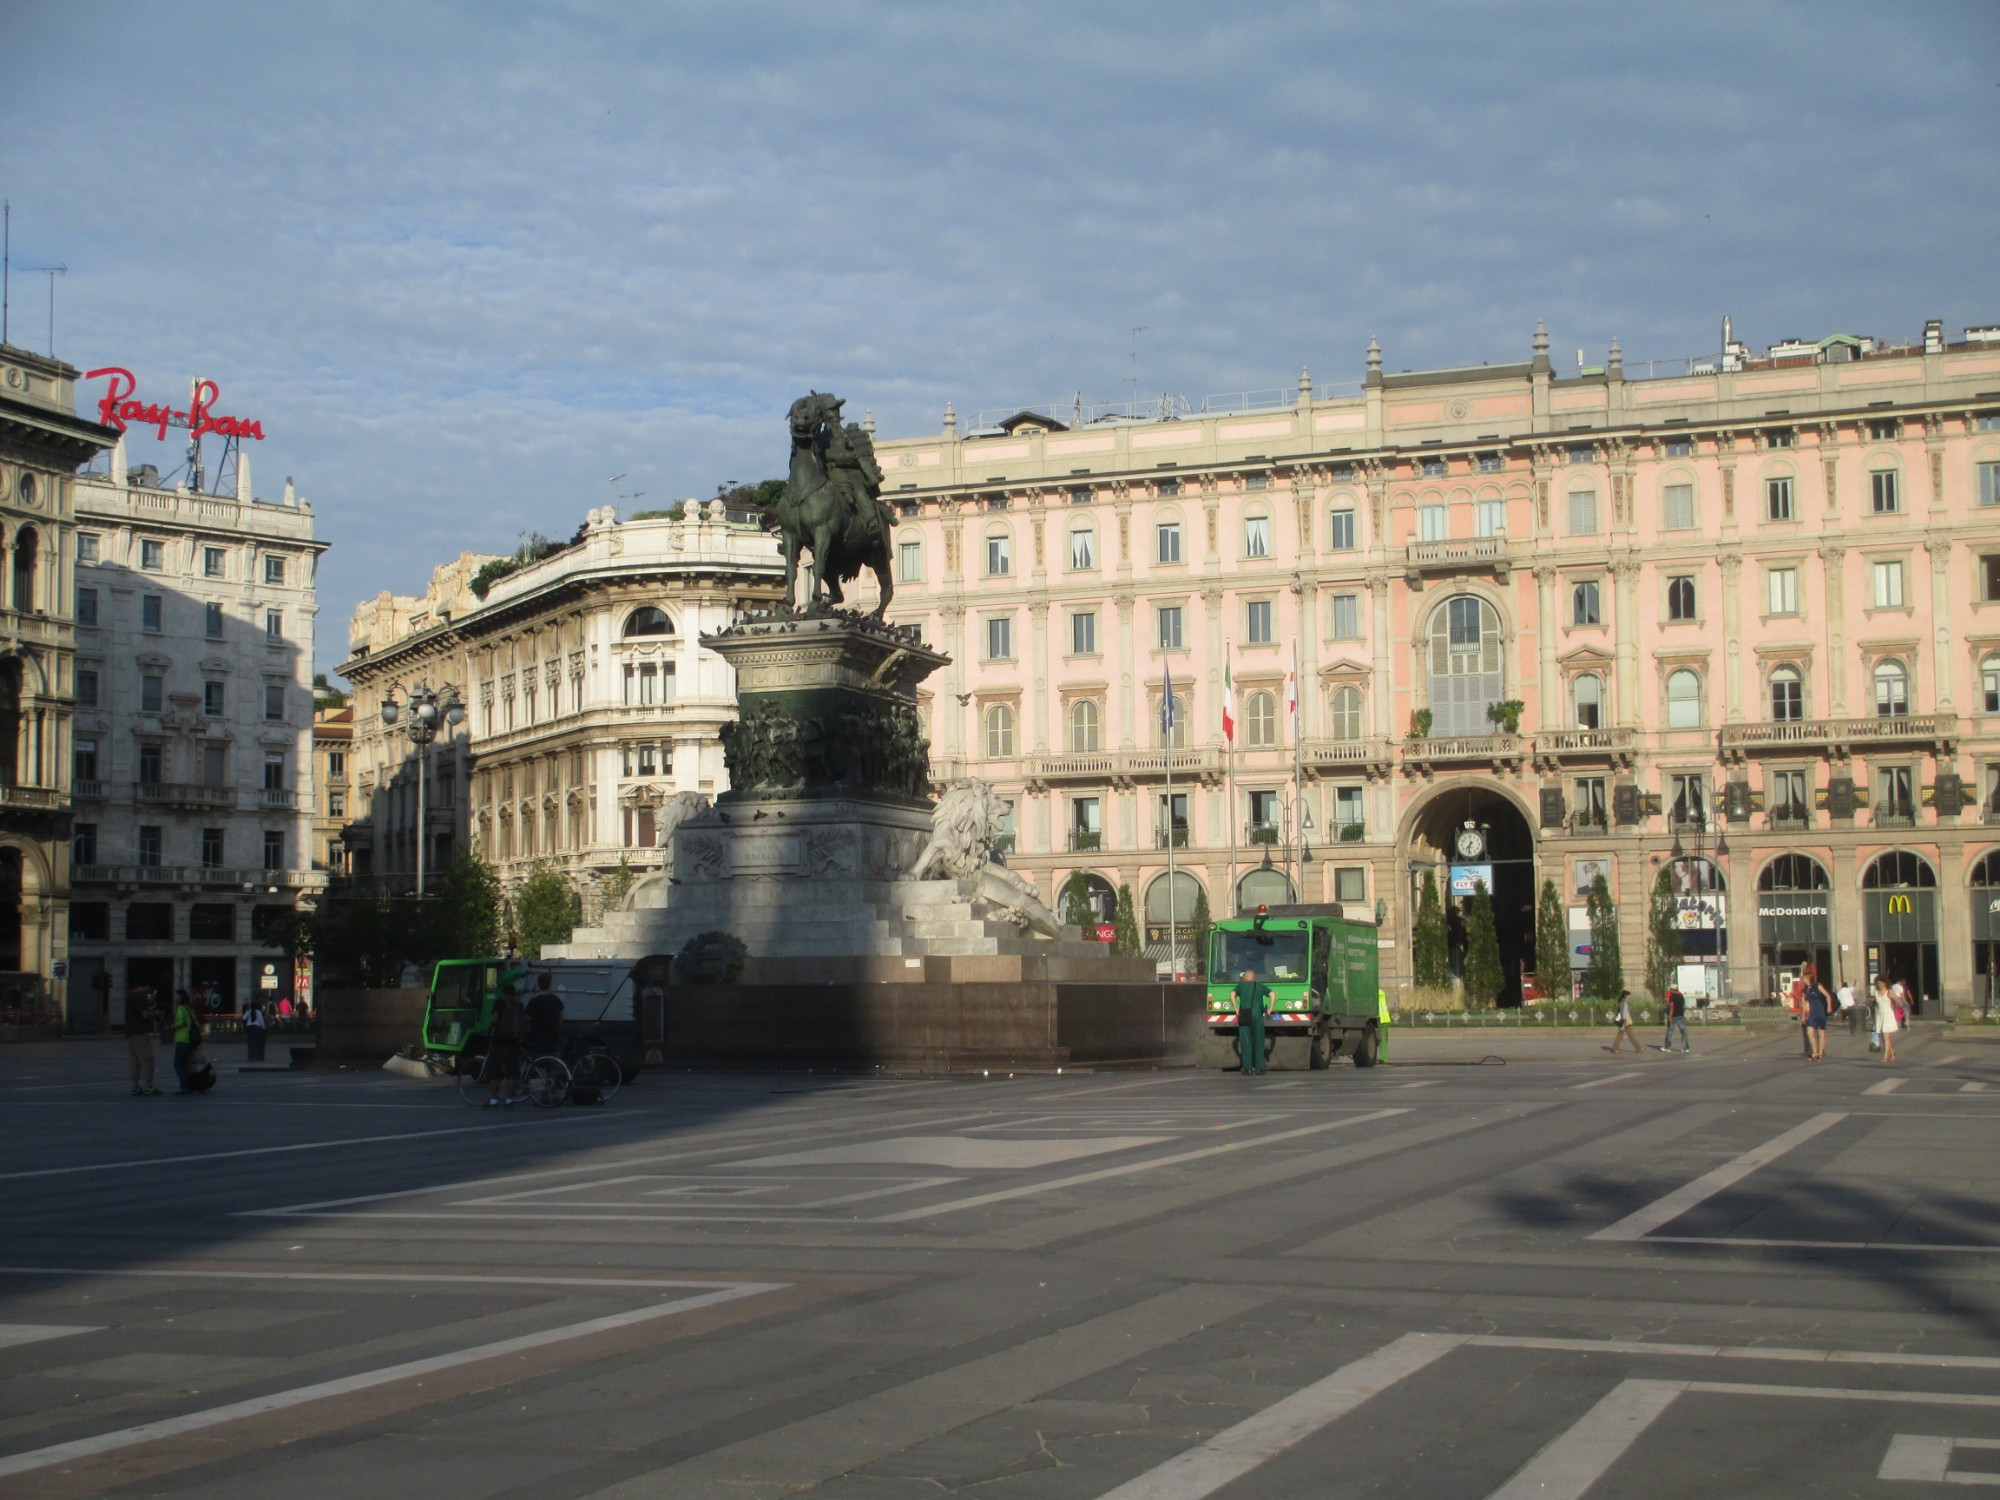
(1899, 905)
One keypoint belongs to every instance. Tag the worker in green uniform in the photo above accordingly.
(1383, 1020)
(1253, 1000)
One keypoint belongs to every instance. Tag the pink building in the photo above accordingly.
(1547, 625)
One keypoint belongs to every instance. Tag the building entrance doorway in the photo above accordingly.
(1899, 924)
(1470, 834)
(1986, 933)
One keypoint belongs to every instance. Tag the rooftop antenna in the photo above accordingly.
(619, 494)
(52, 272)
(1135, 370)
(6, 261)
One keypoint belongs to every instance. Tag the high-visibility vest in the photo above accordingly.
(1382, 1007)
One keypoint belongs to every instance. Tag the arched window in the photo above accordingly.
(1260, 721)
(1083, 727)
(1100, 894)
(1987, 872)
(1899, 869)
(1082, 547)
(1263, 888)
(1344, 716)
(1892, 690)
(26, 545)
(1794, 872)
(1696, 877)
(1788, 695)
(1184, 890)
(1462, 651)
(648, 621)
(999, 554)
(1680, 597)
(999, 732)
(1683, 699)
(1174, 731)
(1586, 696)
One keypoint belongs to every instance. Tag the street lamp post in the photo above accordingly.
(427, 709)
(1699, 871)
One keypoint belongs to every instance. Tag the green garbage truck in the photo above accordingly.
(1322, 967)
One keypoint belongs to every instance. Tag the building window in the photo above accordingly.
(1680, 447)
(83, 761)
(1082, 549)
(1894, 801)
(643, 683)
(1257, 536)
(1000, 638)
(274, 703)
(152, 556)
(274, 848)
(1172, 815)
(1344, 713)
(1989, 484)
(1432, 468)
(1778, 437)
(1587, 701)
(1350, 820)
(1086, 823)
(1788, 695)
(1888, 585)
(1788, 796)
(1081, 495)
(214, 765)
(1168, 488)
(1257, 622)
(1083, 633)
(999, 556)
(1170, 627)
(1433, 523)
(999, 732)
(1491, 463)
(1492, 517)
(211, 562)
(1263, 817)
(1883, 492)
(274, 625)
(1892, 690)
(1683, 699)
(1167, 536)
(1884, 429)
(1350, 885)
(211, 848)
(149, 922)
(1343, 527)
(152, 692)
(274, 570)
(152, 610)
(150, 845)
(1778, 499)
(274, 770)
(1687, 794)
(90, 921)
(86, 687)
(212, 922)
(1174, 724)
(910, 562)
(1583, 604)
(1590, 804)
(1680, 597)
(1677, 508)
(1347, 617)
(336, 803)
(1989, 579)
(82, 844)
(152, 759)
(1782, 590)
(1464, 666)
(1260, 721)
(211, 621)
(1582, 512)
(86, 606)
(86, 546)
(1989, 684)
(211, 699)
(1083, 727)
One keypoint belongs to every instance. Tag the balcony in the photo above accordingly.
(1176, 838)
(278, 796)
(1464, 554)
(1936, 731)
(1790, 817)
(1085, 840)
(1556, 747)
(1103, 768)
(1896, 815)
(1349, 833)
(196, 877)
(1589, 825)
(1261, 833)
(1344, 755)
(1422, 756)
(87, 791)
(30, 798)
(182, 794)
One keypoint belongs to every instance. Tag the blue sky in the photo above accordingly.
(467, 261)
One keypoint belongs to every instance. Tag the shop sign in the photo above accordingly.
(1464, 879)
(116, 409)
(1795, 917)
(1899, 916)
(1985, 916)
(1699, 913)
(302, 980)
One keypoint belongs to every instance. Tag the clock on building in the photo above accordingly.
(1470, 843)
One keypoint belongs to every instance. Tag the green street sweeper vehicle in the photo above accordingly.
(1322, 967)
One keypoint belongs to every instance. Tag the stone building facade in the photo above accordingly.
(333, 748)
(192, 755)
(42, 444)
(589, 698)
(1542, 625)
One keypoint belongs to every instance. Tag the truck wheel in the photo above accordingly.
(1321, 1056)
(1364, 1050)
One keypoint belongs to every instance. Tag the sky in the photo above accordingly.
(466, 262)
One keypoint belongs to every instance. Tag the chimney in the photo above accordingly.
(1934, 336)
(244, 494)
(118, 462)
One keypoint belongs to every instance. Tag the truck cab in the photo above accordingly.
(1322, 967)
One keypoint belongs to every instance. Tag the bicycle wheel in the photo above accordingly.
(601, 1069)
(545, 1081)
(474, 1086)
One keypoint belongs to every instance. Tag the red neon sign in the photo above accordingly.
(115, 409)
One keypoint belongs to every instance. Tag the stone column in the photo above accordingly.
(951, 714)
(1944, 666)
(1625, 634)
(1129, 667)
(1833, 580)
(1037, 672)
(1553, 711)
(1732, 638)
(1306, 591)
(1382, 688)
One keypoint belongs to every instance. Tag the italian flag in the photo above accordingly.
(1228, 703)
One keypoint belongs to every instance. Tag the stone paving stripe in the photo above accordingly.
(470, 1278)
(354, 1140)
(1897, 1247)
(1972, 1088)
(814, 1449)
(1574, 1462)
(12, 1334)
(1886, 1086)
(979, 1200)
(1663, 1211)
(1774, 1352)
(1839, 1393)
(1927, 1460)
(215, 1416)
(1254, 1441)
(1598, 1083)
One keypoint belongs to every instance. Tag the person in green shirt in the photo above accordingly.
(1253, 1001)
(187, 1036)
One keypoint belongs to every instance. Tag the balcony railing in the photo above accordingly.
(1464, 747)
(1261, 833)
(1898, 815)
(1176, 838)
(183, 794)
(30, 798)
(1463, 553)
(1790, 818)
(87, 791)
(1114, 765)
(278, 796)
(1594, 744)
(1350, 833)
(1796, 734)
(1335, 754)
(1587, 824)
(197, 876)
(1085, 840)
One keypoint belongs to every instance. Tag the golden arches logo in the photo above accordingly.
(1899, 906)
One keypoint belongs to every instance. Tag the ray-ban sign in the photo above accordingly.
(116, 409)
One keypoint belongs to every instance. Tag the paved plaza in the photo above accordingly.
(1503, 1266)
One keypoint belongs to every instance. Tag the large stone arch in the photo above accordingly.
(1424, 840)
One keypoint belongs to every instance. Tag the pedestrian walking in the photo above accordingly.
(142, 1019)
(256, 1028)
(1253, 999)
(187, 1037)
(1815, 1024)
(1887, 1023)
(1849, 1012)
(1796, 999)
(545, 1016)
(1676, 1019)
(510, 1024)
(1623, 1019)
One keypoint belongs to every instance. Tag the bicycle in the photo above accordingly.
(590, 1065)
(544, 1081)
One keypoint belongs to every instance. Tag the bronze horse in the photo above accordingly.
(831, 509)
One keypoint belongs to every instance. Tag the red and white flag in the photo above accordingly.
(1228, 703)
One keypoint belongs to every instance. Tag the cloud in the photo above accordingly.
(467, 260)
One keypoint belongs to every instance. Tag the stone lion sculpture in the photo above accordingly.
(963, 828)
(651, 890)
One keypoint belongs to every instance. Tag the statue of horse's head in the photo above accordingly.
(810, 412)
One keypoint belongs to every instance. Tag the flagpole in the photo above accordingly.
(1168, 718)
(1229, 774)
(1298, 784)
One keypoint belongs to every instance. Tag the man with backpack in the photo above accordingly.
(1676, 1004)
(503, 1066)
(545, 1016)
(187, 1042)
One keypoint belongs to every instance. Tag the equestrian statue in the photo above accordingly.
(832, 506)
